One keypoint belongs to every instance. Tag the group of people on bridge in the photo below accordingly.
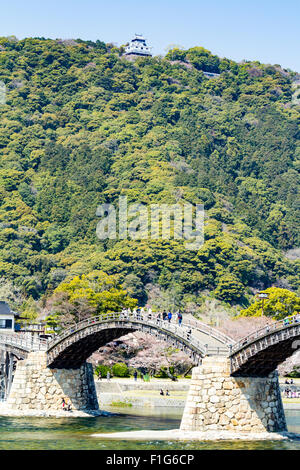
(291, 319)
(142, 313)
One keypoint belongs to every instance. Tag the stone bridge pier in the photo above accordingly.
(218, 401)
(38, 387)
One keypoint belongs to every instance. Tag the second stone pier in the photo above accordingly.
(218, 401)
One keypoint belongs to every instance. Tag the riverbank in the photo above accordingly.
(6, 411)
(291, 405)
(177, 435)
(129, 393)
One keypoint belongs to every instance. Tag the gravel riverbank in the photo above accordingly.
(177, 435)
(5, 411)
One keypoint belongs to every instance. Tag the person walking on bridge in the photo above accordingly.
(169, 317)
(138, 313)
(179, 316)
(164, 315)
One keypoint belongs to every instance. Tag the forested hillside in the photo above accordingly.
(83, 125)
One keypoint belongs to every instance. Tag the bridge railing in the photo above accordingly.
(271, 328)
(19, 340)
(81, 325)
(184, 331)
(213, 332)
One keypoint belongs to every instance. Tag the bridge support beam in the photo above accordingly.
(37, 387)
(6, 373)
(217, 401)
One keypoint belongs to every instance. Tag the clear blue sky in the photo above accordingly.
(264, 30)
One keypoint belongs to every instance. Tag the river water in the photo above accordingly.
(75, 433)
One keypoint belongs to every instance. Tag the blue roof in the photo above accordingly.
(4, 309)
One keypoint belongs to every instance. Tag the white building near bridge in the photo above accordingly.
(138, 46)
(7, 318)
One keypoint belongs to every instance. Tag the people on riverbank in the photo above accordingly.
(163, 394)
(66, 406)
(287, 381)
(288, 393)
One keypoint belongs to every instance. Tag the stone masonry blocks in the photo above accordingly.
(35, 386)
(221, 402)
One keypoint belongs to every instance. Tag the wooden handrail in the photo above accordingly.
(181, 332)
(280, 325)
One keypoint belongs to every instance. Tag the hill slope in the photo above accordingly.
(82, 125)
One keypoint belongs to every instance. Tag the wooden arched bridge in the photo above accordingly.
(76, 344)
(256, 354)
(71, 348)
(237, 379)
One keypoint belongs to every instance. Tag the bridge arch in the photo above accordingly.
(255, 355)
(259, 353)
(76, 344)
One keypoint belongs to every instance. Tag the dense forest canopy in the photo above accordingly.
(83, 125)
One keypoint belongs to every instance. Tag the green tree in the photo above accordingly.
(279, 304)
(103, 369)
(95, 293)
(120, 370)
(229, 288)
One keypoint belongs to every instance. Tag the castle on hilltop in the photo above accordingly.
(138, 46)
